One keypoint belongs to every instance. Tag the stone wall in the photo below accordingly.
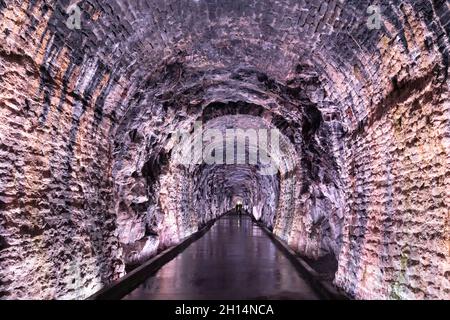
(88, 184)
(396, 233)
(395, 168)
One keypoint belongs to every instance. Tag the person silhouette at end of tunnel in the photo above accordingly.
(239, 208)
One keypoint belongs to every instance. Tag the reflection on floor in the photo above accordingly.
(234, 260)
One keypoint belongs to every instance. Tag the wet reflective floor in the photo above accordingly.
(234, 260)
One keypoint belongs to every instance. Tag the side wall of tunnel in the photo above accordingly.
(76, 205)
(396, 234)
(58, 236)
(394, 162)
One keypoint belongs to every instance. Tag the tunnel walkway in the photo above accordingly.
(234, 260)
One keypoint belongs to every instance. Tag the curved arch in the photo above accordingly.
(88, 117)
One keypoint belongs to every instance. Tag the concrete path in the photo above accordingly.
(234, 260)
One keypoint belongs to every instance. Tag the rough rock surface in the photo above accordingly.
(88, 181)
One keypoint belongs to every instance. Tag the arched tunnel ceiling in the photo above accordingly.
(277, 39)
(105, 102)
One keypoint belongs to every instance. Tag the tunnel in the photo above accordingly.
(127, 127)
